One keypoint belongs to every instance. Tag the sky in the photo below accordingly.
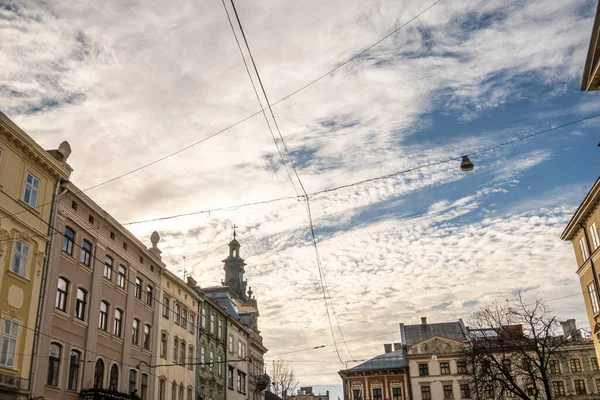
(127, 83)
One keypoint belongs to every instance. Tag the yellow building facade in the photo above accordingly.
(30, 178)
(583, 231)
(178, 337)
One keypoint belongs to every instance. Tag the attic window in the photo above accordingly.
(168, 284)
(151, 268)
(74, 205)
(186, 296)
(124, 246)
(179, 291)
(141, 260)
(91, 219)
(112, 235)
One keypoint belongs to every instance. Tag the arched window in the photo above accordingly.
(80, 304)
(99, 374)
(62, 291)
(144, 387)
(54, 364)
(69, 239)
(74, 364)
(114, 377)
(108, 267)
(132, 380)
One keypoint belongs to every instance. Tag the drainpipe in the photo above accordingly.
(40, 307)
(591, 252)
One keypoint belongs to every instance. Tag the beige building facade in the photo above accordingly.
(583, 231)
(178, 339)
(30, 177)
(100, 315)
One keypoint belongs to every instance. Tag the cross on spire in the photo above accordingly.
(234, 226)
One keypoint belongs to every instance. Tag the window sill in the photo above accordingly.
(84, 268)
(104, 333)
(136, 346)
(82, 264)
(118, 339)
(121, 290)
(108, 282)
(19, 277)
(52, 388)
(29, 207)
(61, 314)
(9, 368)
(146, 352)
(80, 322)
(149, 308)
(139, 301)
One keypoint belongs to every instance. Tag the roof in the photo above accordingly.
(591, 72)
(413, 334)
(583, 212)
(391, 360)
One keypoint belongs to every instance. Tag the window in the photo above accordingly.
(425, 392)
(80, 304)
(166, 303)
(182, 352)
(461, 366)
(202, 356)
(230, 377)
(445, 368)
(397, 393)
(204, 313)
(147, 337)
(138, 288)
(174, 390)
(220, 364)
(118, 322)
(230, 346)
(211, 359)
(558, 388)
(10, 332)
(114, 377)
(124, 246)
(99, 374)
(30, 194)
(184, 318)
(189, 393)
(74, 362)
(192, 322)
(112, 236)
(598, 385)
(448, 392)
(243, 350)
(68, 240)
(212, 322)
(575, 365)
(554, 366)
(164, 340)
(62, 291)
(377, 394)
(108, 267)
(220, 328)
(149, 295)
(594, 362)
(122, 277)
(593, 298)
(242, 383)
(132, 380)
(423, 370)
(176, 312)
(54, 364)
(356, 394)
(135, 332)
(465, 392)
(239, 348)
(86, 252)
(162, 387)
(594, 234)
(144, 394)
(191, 357)
(175, 349)
(20, 254)
(91, 219)
(180, 391)
(584, 249)
(579, 386)
(103, 322)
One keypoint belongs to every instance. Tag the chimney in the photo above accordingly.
(397, 346)
(423, 320)
(570, 329)
(191, 282)
(387, 348)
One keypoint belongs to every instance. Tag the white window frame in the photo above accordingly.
(595, 240)
(593, 298)
(22, 254)
(584, 249)
(32, 202)
(10, 334)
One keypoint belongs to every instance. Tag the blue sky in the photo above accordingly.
(128, 83)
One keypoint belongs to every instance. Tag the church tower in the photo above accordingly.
(234, 269)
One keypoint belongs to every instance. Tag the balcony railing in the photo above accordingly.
(14, 382)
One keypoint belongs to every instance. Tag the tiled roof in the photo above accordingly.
(392, 360)
(418, 333)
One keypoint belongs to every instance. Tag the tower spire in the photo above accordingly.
(233, 227)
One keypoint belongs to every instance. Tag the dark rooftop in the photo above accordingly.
(414, 334)
(391, 360)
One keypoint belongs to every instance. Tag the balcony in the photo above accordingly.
(103, 394)
(13, 382)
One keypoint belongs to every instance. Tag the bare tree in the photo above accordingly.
(512, 350)
(283, 378)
